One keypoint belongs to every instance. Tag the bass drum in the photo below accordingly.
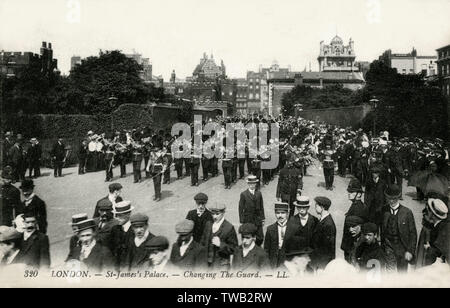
(92, 146)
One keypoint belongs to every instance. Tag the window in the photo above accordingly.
(448, 69)
(257, 96)
(250, 96)
(251, 87)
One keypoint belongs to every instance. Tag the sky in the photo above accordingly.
(174, 34)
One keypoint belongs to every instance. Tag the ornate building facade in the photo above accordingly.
(207, 69)
(337, 57)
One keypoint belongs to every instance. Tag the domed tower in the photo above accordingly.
(336, 56)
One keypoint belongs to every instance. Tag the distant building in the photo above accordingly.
(75, 60)
(363, 67)
(410, 63)
(146, 73)
(11, 61)
(241, 96)
(207, 69)
(443, 71)
(337, 57)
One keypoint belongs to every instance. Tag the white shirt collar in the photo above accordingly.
(138, 241)
(216, 225)
(27, 235)
(324, 216)
(86, 250)
(112, 198)
(29, 199)
(126, 226)
(252, 191)
(245, 251)
(185, 246)
(395, 208)
(304, 220)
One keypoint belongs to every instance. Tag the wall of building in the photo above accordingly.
(343, 117)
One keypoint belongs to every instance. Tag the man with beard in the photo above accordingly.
(105, 222)
(75, 240)
(136, 254)
(115, 189)
(324, 237)
(122, 233)
(251, 208)
(199, 216)
(249, 256)
(303, 223)
(10, 197)
(357, 208)
(34, 247)
(399, 229)
(277, 235)
(219, 238)
(374, 197)
(352, 236)
(90, 253)
(34, 204)
(186, 252)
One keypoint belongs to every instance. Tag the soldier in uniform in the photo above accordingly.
(146, 153)
(109, 160)
(241, 160)
(167, 156)
(340, 155)
(137, 162)
(187, 254)
(324, 237)
(249, 256)
(158, 169)
(199, 216)
(194, 165)
(289, 181)
(328, 167)
(187, 144)
(251, 208)
(227, 165)
(10, 198)
(219, 239)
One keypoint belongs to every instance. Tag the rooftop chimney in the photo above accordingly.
(44, 44)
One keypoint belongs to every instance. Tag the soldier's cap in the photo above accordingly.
(86, 224)
(252, 179)
(76, 219)
(138, 219)
(7, 173)
(247, 229)
(282, 206)
(115, 186)
(105, 205)
(217, 207)
(27, 184)
(33, 139)
(201, 197)
(90, 133)
(9, 234)
(438, 208)
(302, 201)
(369, 227)
(353, 221)
(354, 186)
(184, 227)
(392, 192)
(323, 202)
(123, 207)
(156, 244)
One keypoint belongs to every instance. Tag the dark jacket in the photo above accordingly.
(199, 223)
(275, 254)
(289, 181)
(34, 252)
(255, 260)
(103, 235)
(358, 208)
(303, 234)
(135, 257)
(375, 200)
(120, 240)
(15, 155)
(194, 257)
(100, 258)
(10, 203)
(251, 208)
(324, 243)
(73, 244)
(406, 227)
(58, 151)
(220, 256)
(96, 212)
(34, 153)
(38, 208)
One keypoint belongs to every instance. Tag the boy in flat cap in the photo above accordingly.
(199, 216)
(303, 223)
(10, 198)
(278, 234)
(399, 229)
(219, 238)
(324, 237)
(186, 252)
(32, 203)
(251, 208)
(158, 254)
(9, 245)
(115, 189)
(136, 254)
(105, 223)
(249, 256)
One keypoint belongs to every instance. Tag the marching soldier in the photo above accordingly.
(10, 198)
(137, 162)
(249, 256)
(289, 181)
(219, 239)
(109, 160)
(328, 167)
(167, 155)
(227, 165)
(187, 253)
(251, 208)
(187, 144)
(234, 165)
(157, 171)
(146, 153)
(194, 164)
(200, 216)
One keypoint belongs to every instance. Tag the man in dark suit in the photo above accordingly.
(352, 236)
(357, 208)
(17, 159)
(199, 216)
(251, 208)
(8, 143)
(34, 204)
(34, 248)
(82, 156)
(10, 198)
(75, 240)
(249, 256)
(115, 189)
(34, 154)
(374, 197)
(289, 181)
(219, 238)
(90, 253)
(303, 223)
(136, 254)
(187, 254)
(58, 155)
(277, 235)
(324, 237)
(399, 229)
(105, 222)
(122, 233)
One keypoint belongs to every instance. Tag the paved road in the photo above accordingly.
(73, 194)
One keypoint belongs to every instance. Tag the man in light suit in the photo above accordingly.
(251, 208)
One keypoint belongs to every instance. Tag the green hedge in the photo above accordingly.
(129, 116)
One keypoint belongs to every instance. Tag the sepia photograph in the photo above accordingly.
(224, 144)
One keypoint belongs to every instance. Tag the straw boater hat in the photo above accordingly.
(438, 208)
(86, 224)
(123, 207)
(252, 179)
(76, 219)
(302, 201)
